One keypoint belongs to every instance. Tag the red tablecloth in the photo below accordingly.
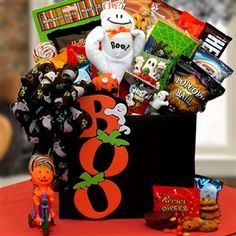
(16, 203)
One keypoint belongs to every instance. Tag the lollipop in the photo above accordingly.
(44, 50)
(39, 159)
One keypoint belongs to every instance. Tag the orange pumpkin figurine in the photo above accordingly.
(43, 197)
(106, 82)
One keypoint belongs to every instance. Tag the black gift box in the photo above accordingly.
(161, 151)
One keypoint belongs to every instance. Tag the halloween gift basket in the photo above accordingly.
(112, 102)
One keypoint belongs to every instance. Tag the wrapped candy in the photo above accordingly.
(44, 50)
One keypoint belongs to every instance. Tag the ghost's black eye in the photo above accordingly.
(153, 64)
(121, 16)
(116, 15)
(149, 62)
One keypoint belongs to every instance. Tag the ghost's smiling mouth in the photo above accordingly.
(119, 23)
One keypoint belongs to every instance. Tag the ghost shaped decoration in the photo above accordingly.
(112, 46)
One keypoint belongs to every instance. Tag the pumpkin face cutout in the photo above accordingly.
(42, 175)
(106, 82)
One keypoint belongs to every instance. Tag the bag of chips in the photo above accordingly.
(216, 68)
(190, 87)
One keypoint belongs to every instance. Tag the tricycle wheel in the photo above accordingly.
(45, 229)
(30, 220)
(52, 221)
(45, 223)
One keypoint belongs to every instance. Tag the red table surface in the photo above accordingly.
(16, 203)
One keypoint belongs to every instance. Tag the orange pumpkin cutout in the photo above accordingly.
(111, 190)
(42, 175)
(87, 154)
(106, 82)
(84, 206)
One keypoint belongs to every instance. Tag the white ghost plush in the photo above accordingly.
(112, 46)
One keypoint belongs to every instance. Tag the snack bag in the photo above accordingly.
(191, 87)
(214, 41)
(136, 92)
(162, 10)
(75, 53)
(209, 191)
(212, 65)
(76, 56)
(184, 201)
(132, 7)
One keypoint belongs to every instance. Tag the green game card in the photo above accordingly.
(176, 41)
(64, 15)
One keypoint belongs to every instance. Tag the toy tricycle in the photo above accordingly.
(42, 214)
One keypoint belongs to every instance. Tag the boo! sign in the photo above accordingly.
(105, 139)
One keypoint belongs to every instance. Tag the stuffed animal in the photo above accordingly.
(106, 82)
(159, 100)
(112, 46)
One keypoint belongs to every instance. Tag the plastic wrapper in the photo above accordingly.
(214, 41)
(191, 24)
(190, 87)
(209, 192)
(184, 201)
(161, 10)
(212, 65)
